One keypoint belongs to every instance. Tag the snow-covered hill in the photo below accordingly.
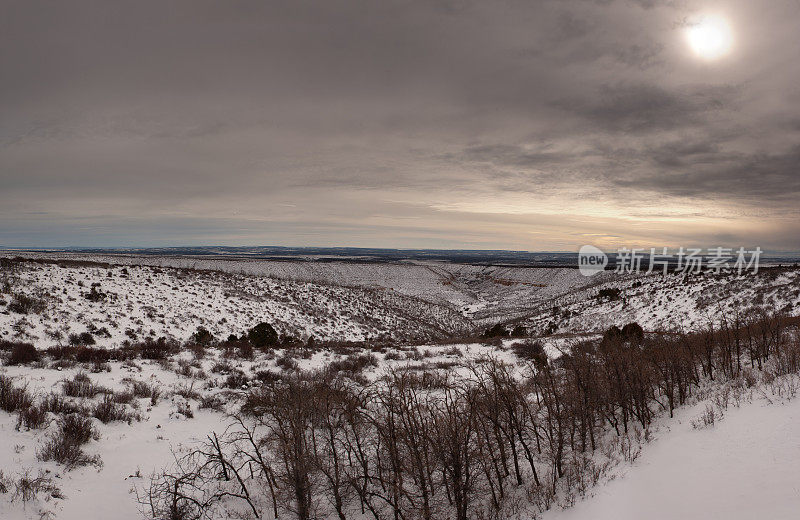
(744, 467)
(669, 303)
(116, 303)
(120, 298)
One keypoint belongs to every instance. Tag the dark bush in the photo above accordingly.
(155, 350)
(64, 446)
(236, 380)
(519, 332)
(202, 336)
(392, 355)
(353, 364)
(608, 294)
(221, 367)
(211, 402)
(234, 349)
(612, 334)
(142, 389)
(91, 355)
(81, 386)
(530, 350)
(108, 410)
(13, 398)
(23, 304)
(286, 362)
(267, 377)
(23, 353)
(245, 349)
(7, 346)
(263, 335)
(123, 397)
(77, 429)
(103, 332)
(95, 295)
(33, 417)
(125, 352)
(70, 455)
(61, 352)
(633, 332)
(84, 338)
(198, 350)
(497, 331)
(56, 404)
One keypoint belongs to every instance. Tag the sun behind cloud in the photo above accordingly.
(710, 36)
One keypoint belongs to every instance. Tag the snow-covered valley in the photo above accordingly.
(157, 358)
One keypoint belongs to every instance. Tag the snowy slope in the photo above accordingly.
(671, 303)
(364, 301)
(137, 302)
(745, 467)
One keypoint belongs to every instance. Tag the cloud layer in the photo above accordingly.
(511, 124)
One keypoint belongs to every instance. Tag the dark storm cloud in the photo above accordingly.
(769, 178)
(280, 122)
(650, 108)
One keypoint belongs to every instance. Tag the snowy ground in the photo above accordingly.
(745, 467)
(131, 453)
(674, 302)
(348, 301)
(133, 303)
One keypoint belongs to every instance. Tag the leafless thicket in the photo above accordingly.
(495, 442)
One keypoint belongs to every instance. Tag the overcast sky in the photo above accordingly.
(521, 124)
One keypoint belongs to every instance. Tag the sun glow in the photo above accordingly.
(710, 37)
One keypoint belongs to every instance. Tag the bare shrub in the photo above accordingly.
(267, 377)
(107, 410)
(142, 389)
(708, 418)
(211, 402)
(722, 397)
(529, 350)
(5, 483)
(123, 397)
(22, 354)
(354, 363)
(198, 350)
(33, 417)
(64, 446)
(82, 386)
(70, 455)
(24, 304)
(237, 380)
(184, 408)
(187, 392)
(28, 488)
(77, 429)
(392, 355)
(750, 378)
(157, 350)
(86, 354)
(56, 404)
(427, 443)
(184, 368)
(286, 362)
(13, 398)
